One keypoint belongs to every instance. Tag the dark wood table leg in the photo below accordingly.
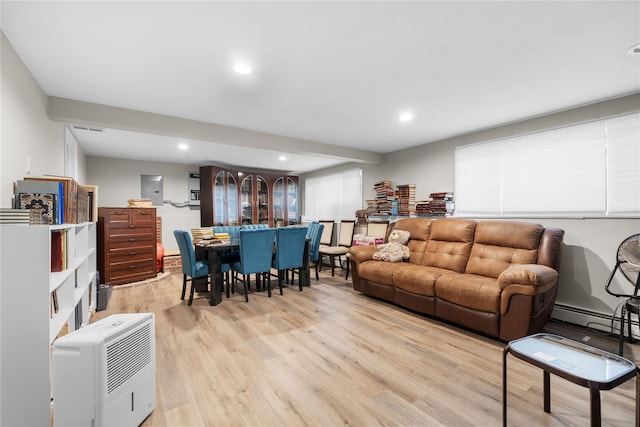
(304, 274)
(215, 273)
(594, 393)
(547, 391)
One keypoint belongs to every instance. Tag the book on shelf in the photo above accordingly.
(21, 216)
(54, 302)
(405, 199)
(45, 203)
(69, 195)
(58, 250)
(92, 202)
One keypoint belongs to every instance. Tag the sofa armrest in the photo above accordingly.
(528, 274)
(362, 253)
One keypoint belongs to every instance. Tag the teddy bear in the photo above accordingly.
(395, 250)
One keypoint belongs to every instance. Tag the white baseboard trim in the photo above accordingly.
(593, 319)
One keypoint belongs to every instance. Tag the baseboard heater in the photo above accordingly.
(593, 319)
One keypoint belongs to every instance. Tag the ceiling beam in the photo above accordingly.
(105, 116)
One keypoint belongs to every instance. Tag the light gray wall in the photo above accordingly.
(118, 181)
(26, 131)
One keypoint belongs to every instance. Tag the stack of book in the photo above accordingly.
(439, 204)
(362, 215)
(384, 196)
(406, 199)
(198, 234)
(221, 238)
(22, 216)
(140, 203)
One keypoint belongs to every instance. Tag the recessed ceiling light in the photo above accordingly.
(183, 146)
(634, 50)
(242, 69)
(405, 117)
(282, 158)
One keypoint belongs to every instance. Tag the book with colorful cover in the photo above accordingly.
(46, 203)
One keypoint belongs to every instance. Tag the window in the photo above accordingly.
(586, 169)
(335, 196)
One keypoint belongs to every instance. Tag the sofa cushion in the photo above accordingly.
(469, 290)
(499, 244)
(417, 279)
(420, 230)
(378, 271)
(450, 244)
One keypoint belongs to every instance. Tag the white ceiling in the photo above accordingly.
(328, 72)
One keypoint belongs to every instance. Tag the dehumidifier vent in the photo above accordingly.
(128, 356)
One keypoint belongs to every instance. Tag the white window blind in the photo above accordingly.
(335, 196)
(623, 164)
(591, 168)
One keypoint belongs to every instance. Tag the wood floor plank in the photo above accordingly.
(331, 356)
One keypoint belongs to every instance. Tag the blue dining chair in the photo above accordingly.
(191, 268)
(314, 234)
(256, 252)
(254, 226)
(289, 253)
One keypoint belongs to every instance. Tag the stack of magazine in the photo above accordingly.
(22, 216)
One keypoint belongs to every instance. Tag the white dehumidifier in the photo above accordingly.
(104, 373)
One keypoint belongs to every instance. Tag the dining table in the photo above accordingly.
(213, 250)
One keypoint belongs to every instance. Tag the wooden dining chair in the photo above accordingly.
(378, 229)
(345, 240)
(326, 238)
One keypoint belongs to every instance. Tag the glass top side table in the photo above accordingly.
(576, 362)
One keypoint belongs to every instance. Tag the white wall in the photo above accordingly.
(118, 181)
(27, 132)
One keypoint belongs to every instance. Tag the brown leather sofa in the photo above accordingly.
(496, 277)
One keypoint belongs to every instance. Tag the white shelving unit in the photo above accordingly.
(30, 320)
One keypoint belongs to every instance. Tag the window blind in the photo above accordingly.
(335, 196)
(586, 169)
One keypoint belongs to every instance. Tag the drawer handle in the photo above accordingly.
(132, 226)
(133, 239)
(131, 267)
(132, 252)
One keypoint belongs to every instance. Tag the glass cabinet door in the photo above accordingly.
(263, 200)
(219, 200)
(232, 200)
(278, 202)
(246, 200)
(292, 202)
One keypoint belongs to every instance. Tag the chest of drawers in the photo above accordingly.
(126, 244)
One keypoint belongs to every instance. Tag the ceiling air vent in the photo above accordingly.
(88, 128)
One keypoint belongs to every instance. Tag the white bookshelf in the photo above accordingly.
(28, 321)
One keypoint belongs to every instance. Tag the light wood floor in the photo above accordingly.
(330, 356)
